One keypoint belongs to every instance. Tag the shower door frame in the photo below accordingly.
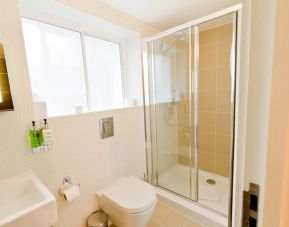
(192, 26)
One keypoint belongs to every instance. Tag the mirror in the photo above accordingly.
(6, 102)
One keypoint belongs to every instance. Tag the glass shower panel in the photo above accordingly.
(190, 108)
(215, 111)
(170, 116)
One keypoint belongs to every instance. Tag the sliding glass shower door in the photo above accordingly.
(190, 111)
(171, 110)
(216, 111)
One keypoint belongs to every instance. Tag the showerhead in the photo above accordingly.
(165, 47)
(180, 35)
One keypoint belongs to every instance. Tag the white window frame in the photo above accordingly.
(84, 32)
(86, 71)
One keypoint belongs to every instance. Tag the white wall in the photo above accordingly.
(259, 94)
(266, 161)
(243, 56)
(78, 150)
(257, 46)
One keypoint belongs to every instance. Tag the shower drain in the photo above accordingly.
(211, 181)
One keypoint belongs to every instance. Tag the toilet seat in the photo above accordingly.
(131, 195)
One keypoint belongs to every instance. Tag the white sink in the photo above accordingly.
(26, 202)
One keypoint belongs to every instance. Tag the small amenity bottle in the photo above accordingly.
(34, 136)
(46, 135)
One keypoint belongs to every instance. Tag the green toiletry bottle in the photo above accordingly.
(34, 136)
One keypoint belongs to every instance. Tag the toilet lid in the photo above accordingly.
(131, 195)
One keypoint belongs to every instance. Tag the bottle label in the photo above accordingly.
(47, 136)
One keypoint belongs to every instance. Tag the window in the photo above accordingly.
(70, 72)
(55, 64)
(104, 73)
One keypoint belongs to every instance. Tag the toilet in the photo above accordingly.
(129, 202)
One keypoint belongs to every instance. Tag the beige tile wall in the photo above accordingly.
(167, 139)
(166, 112)
(215, 107)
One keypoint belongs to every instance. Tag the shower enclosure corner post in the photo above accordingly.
(196, 107)
(190, 108)
(235, 78)
(145, 86)
(149, 110)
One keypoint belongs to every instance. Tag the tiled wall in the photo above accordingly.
(183, 105)
(215, 106)
(167, 143)
(78, 150)
(165, 115)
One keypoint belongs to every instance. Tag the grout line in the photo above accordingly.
(214, 67)
(210, 153)
(217, 134)
(206, 111)
(211, 90)
(216, 42)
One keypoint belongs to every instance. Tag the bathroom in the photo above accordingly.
(148, 39)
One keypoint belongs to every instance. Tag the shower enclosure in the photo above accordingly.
(189, 80)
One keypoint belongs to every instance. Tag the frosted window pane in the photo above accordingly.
(104, 73)
(163, 77)
(56, 71)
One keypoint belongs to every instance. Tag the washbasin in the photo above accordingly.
(26, 202)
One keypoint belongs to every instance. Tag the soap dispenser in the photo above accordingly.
(46, 135)
(34, 136)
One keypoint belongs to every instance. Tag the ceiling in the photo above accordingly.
(55, 13)
(163, 14)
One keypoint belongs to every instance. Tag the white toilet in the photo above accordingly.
(129, 202)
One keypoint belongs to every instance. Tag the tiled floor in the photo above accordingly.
(168, 217)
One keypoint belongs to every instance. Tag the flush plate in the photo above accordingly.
(106, 127)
